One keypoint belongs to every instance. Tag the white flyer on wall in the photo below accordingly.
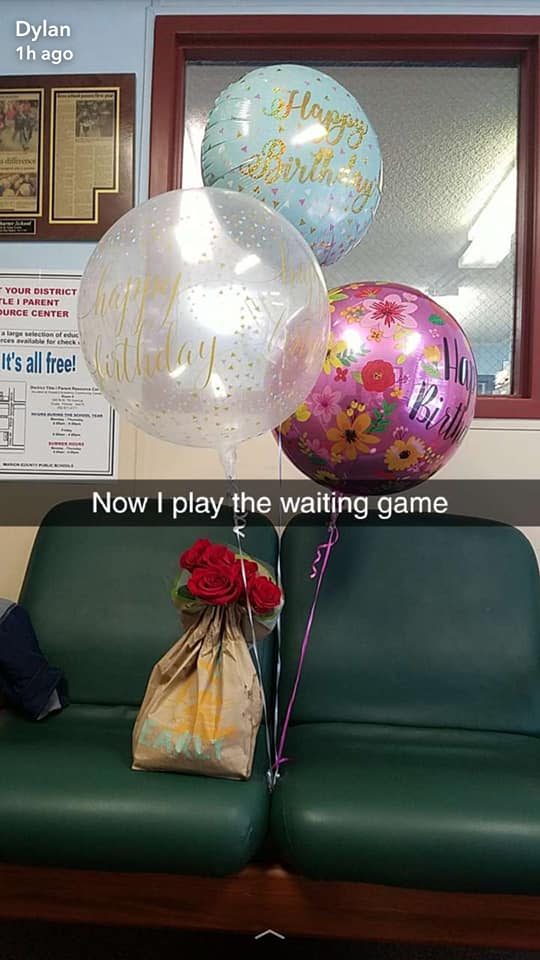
(54, 422)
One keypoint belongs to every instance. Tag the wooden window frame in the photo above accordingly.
(181, 39)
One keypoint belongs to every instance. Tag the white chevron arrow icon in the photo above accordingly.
(274, 933)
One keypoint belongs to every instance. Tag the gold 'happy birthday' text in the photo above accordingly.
(335, 123)
(131, 360)
(270, 165)
(124, 305)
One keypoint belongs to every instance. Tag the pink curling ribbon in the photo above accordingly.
(318, 571)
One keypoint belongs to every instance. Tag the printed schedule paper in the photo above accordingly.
(54, 422)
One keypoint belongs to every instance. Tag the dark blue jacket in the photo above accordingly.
(26, 679)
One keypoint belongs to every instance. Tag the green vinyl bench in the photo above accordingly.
(409, 807)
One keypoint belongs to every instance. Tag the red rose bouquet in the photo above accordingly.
(212, 575)
(203, 704)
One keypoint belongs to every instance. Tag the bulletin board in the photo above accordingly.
(66, 155)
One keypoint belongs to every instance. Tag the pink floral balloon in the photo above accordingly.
(395, 397)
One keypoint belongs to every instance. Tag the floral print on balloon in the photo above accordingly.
(395, 396)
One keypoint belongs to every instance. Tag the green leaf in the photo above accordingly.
(434, 318)
(401, 359)
(379, 421)
(335, 295)
(379, 427)
(184, 594)
(356, 375)
(317, 460)
(388, 408)
(431, 370)
(346, 357)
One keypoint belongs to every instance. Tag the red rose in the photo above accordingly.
(264, 595)
(217, 585)
(192, 557)
(378, 375)
(216, 553)
(251, 568)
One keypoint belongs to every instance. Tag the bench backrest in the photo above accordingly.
(428, 624)
(99, 598)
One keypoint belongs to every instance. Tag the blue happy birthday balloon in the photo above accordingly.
(297, 140)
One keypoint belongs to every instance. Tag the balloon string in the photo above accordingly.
(318, 570)
(275, 768)
(333, 537)
(239, 530)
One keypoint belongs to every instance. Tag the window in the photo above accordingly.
(456, 116)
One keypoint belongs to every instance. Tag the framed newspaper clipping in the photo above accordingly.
(66, 155)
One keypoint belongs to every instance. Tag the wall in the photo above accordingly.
(116, 36)
(108, 36)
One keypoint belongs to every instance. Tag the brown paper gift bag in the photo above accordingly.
(203, 704)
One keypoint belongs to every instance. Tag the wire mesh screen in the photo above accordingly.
(446, 222)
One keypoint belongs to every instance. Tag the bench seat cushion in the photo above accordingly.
(409, 806)
(69, 798)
